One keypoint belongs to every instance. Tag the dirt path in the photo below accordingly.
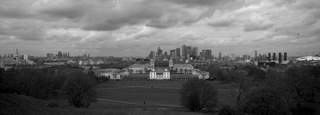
(140, 87)
(134, 103)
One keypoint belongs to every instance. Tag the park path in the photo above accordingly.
(134, 103)
(140, 87)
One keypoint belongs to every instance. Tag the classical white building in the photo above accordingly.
(200, 74)
(159, 74)
(182, 68)
(113, 74)
(138, 68)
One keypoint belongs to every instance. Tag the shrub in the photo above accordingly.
(227, 110)
(198, 95)
(79, 90)
(264, 102)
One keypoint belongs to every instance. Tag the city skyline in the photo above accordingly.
(134, 27)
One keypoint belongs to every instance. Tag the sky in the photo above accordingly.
(135, 27)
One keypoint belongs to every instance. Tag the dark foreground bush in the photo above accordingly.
(79, 90)
(264, 102)
(198, 95)
(227, 110)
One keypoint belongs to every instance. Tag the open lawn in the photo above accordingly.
(118, 98)
(156, 93)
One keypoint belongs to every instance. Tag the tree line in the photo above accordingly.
(50, 83)
(293, 90)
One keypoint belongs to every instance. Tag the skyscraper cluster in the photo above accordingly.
(58, 55)
(184, 53)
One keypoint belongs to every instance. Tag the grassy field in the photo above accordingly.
(153, 93)
(119, 98)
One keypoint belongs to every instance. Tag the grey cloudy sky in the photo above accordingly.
(134, 27)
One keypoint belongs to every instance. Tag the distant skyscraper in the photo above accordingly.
(178, 52)
(59, 54)
(186, 51)
(166, 53)
(269, 56)
(280, 58)
(17, 52)
(285, 56)
(151, 54)
(159, 52)
(194, 51)
(206, 54)
(172, 53)
(255, 54)
(274, 58)
(220, 55)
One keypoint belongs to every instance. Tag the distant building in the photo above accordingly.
(159, 52)
(50, 55)
(160, 71)
(194, 51)
(280, 58)
(255, 55)
(182, 68)
(173, 53)
(151, 55)
(159, 74)
(138, 68)
(269, 56)
(178, 52)
(111, 73)
(206, 54)
(308, 58)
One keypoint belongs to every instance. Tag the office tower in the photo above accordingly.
(178, 52)
(220, 55)
(59, 54)
(159, 52)
(207, 54)
(151, 54)
(285, 58)
(194, 51)
(259, 57)
(186, 51)
(172, 53)
(280, 58)
(269, 56)
(255, 54)
(274, 56)
(165, 53)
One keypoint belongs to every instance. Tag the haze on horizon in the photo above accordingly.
(134, 27)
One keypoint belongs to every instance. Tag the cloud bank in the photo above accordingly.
(133, 27)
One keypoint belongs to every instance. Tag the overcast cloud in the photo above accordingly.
(134, 27)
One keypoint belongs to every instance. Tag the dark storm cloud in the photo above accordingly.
(123, 24)
(126, 14)
(15, 9)
(151, 13)
(14, 13)
(71, 12)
